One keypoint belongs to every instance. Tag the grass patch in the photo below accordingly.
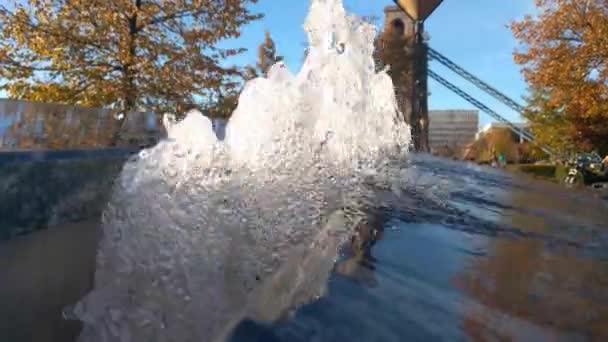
(547, 172)
(560, 173)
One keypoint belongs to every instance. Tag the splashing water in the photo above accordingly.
(197, 227)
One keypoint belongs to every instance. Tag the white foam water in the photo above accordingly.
(199, 230)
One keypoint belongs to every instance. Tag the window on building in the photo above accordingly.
(398, 27)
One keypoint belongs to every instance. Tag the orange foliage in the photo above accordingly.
(564, 55)
(157, 55)
(267, 54)
(393, 50)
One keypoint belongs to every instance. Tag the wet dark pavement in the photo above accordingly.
(468, 253)
(39, 275)
(472, 253)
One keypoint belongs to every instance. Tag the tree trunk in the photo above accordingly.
(130, 93)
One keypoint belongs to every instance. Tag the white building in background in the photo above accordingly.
(452, 129)
(501, 125)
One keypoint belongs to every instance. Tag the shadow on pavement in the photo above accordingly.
(39, 275)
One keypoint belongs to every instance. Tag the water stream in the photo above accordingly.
(198, 230)
(247, 237)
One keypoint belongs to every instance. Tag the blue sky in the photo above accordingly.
(472, 33)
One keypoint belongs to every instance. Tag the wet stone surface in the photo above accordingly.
(465, 253)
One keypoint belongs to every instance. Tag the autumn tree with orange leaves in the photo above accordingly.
(157, 55)
(392, 49)
(267, 55)
(564, 57)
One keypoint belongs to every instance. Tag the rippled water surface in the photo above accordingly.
(478, 255)
(200, 234)
(469, 254)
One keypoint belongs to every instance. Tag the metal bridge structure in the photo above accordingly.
(492, 91)
(416, 12)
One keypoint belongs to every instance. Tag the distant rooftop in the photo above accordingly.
(441, 112)
(392, 8)
(492, 125)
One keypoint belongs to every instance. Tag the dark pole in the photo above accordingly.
(414, 96)
(420, 104)
(419, 11)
